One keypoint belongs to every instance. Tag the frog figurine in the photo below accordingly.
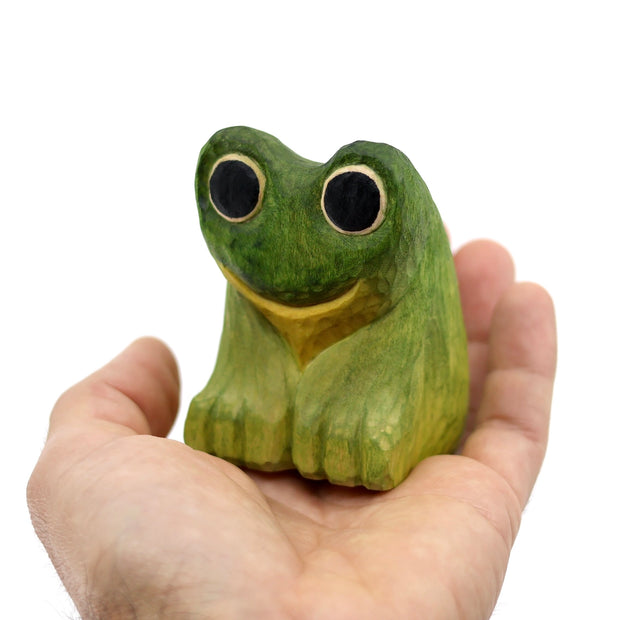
(343, 352)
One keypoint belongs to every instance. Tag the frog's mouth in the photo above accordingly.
(311, 329)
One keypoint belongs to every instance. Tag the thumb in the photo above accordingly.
(135, 393)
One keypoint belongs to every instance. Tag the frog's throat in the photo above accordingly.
(311, 329)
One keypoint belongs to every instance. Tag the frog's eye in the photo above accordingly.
(353, 200)
(236, 187)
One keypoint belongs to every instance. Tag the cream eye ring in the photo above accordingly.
(353, 200)
(236, 187)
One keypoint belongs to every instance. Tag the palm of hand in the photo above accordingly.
(171, 531)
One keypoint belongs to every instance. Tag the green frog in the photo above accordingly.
(343, 353)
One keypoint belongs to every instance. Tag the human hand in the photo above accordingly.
(145, 527)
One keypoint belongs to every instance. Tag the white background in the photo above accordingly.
(509, 110)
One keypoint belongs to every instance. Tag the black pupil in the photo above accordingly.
(352, 201)
(234, 189)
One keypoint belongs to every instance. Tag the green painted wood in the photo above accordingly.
(343, 352)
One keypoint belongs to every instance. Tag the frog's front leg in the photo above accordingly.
(352, 424)
(365, 408)
(244, 414)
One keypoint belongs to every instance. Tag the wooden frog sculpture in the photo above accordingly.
(343, 352)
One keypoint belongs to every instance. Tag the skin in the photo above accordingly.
(139, 526)
(388, 386)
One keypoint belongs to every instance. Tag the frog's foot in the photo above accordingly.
(352, 449)
(229, 428)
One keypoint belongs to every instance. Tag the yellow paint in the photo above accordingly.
(311, 329)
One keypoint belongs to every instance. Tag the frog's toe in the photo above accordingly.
(327, 447)
(341, 459)
(215, 426)
(386, 454)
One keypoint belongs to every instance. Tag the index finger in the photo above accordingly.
(511, 427)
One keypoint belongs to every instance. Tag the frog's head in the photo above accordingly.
(301, 233)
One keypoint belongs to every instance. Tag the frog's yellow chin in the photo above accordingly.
(311, 329)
